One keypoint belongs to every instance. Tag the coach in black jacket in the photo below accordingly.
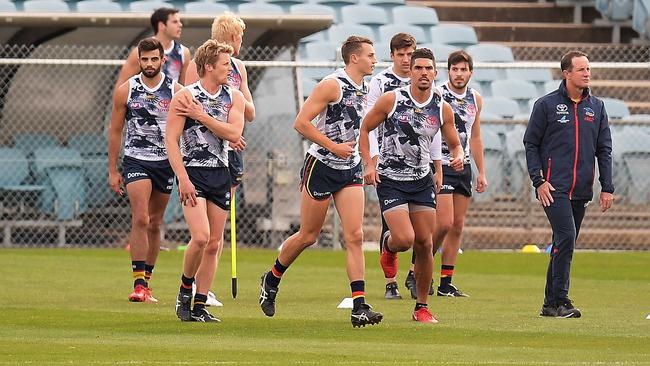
(567, 130)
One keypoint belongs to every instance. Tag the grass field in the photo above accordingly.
(69, 307)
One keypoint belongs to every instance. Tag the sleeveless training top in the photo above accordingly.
(146, 118)
(199, 146)
(408, 132)
(341, 120)
(465, 108)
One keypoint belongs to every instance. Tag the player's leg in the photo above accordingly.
(451, 245)
(205, 274)
(199, 227)
(157, 206)
(312, 216)
(349, 204)
(422, 217)
(139, 192)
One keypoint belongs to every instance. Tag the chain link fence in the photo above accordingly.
(55, 107)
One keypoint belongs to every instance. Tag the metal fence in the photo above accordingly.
(54, 111)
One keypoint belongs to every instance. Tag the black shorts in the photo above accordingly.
(213, 184)
(236, 167)
(393, 193)
(160, 173)
(321, 181)
(457, 182)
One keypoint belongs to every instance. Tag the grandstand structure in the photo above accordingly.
(60, 60)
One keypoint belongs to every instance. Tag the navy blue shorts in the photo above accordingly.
(213, 184)
(160, 173)
(236, 167)
(321, 181)
(456, 182)
(394, 193)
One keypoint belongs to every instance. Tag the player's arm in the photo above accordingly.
(191, 74)
(450, 135)
(118, 114)
(374, 117)
(533, 139)
(187, 106)
(173, 131)
(476, 146)
(130, 67)
(249, 112)
(604, 156)
(435, 151)
(374, 92)
(325, 92)
(186, 63)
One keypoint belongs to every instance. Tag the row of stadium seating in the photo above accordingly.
(624, 10)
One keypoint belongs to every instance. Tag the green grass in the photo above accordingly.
(69, 307)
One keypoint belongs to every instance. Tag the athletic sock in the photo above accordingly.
(138, 273)
(277, 271)
(419, 305)
(186, 284)
(199, 301)
(446, 273)
(358, 294)
(148, 269)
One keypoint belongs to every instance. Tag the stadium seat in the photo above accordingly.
(382, 51)
(260, 9)
(641, 17)
(318, 51)
(616, 108)
(551, 86)
(637, 118)
(28, 142)
(490, 52)
(14, 161)
(321, 36)
(517, 171)
(615, 9)
(45, 6)
(89, 144)
(336, 5)
(519, 90)
(364, 14)
(636, 159)
(440, 51)
(94, 151)
(500, 106)
(534, 75)
(415, 15)
(340, 32)
(307, 86)
(98, 6)
(148, 6)
(316, 9)
(285, 4)
(459, 35)
(387, 5)
(206, 7)
(386, 32)
(7, 6)
(493, 159)
(62, 171)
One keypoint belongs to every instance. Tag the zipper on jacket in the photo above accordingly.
(575, 159)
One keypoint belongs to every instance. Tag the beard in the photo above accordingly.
(460, 84)
(151, 73)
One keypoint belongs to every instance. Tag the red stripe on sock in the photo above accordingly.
(185, 286)
(358, 294)
(446, 272)
(276, 273)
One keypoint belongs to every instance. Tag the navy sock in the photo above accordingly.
(358, 293)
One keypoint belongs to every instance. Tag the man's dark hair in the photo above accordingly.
(402, 40)
(459, 56)
(566, 62)
(422, 53)
(353, 45)
(161, 15)
(150, 44)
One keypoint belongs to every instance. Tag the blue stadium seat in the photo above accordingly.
(519, 90)
(206, 7)
(307, 86)
(318, 51)
(89, 144)
(386, 32)
(551, 85)
(641, 17)
(616, 108)
(7, 6)
(387, 5)
(440, 51)
(340, 32)
(635, 158)
(501, 106)
(416, 15)
(316, 9)
(382, 51)
(260, 9)
(285, 4)
(493, 159)
(615, 9)
(94, 151)
(98, 6)
(336, 5)
(28, 142)
(15, 168)
(535, 75)
(518, 182)
(62, 170)
(490, 52)
(369, 15)
(637, 118)
(459, 35)
(45, 6)
(148, 6)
